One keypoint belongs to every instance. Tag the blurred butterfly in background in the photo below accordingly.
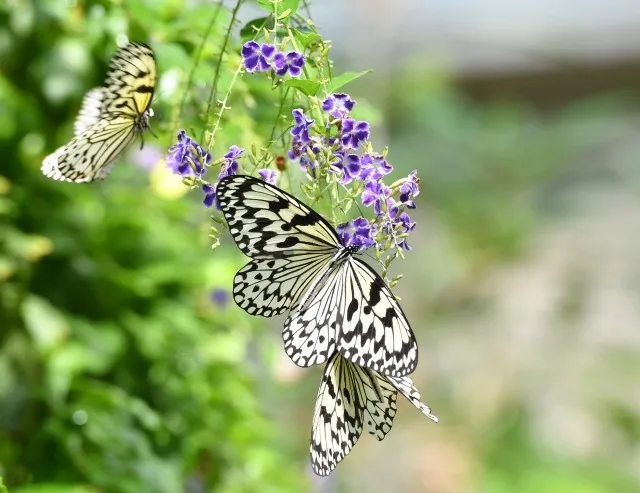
(110, 119)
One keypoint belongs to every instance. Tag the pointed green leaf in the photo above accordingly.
(307, 87)
(250, 29)
(288, 7)
(305, 38)
(344, 79)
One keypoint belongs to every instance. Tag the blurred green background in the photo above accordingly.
(120, 372)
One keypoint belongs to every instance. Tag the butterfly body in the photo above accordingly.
(335, 301)
(110, 119)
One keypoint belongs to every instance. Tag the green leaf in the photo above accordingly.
(305, 38)
(47, 327)
(343, 79)
(287, 7)
(52, 488)
(307, 87)
(3, 489)
(250, 29)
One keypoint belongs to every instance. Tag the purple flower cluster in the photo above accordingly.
(357, 233)
(338, 147)
(187, 157)
(262, 57)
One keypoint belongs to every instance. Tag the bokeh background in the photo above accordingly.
(124, 368)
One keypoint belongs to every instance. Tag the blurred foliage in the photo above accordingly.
(117, 372)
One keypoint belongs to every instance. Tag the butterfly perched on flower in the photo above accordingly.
(349, 397)
(336, 302)
(110, 119)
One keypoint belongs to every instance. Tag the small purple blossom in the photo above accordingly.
(186, 157)
(210, 195)
(358, 232)
(220, 297)
(403, 221)
(376, 194)
(229, 164)
(409, 189)
(300, 130)
(353, 133)
(338, 105)
(268, 175)
(348, 166)
(374, 167)
(292, 62)
(256, 57)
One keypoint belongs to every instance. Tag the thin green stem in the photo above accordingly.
(216, 77)
(197, 61)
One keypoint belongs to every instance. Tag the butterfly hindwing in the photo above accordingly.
(349, 397)
(89, 111)
(90, 155)
(269, 287)
(337, 419)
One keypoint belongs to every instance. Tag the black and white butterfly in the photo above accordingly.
(335, 300)
(349, 397)
(110, 119)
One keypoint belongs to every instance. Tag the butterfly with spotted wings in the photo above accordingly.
(336, 302)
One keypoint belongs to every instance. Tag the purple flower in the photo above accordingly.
(353, 133)
(376, 194)
(229, 164)
(405, 225)
(358, 232)
(220, 297)
(256, 57)
(338, 105)
(374, 167)
(268, 175)
(300, 130)
(410, 189)
(292, 62)
(348, 166)
(210, 195)
(186, 157)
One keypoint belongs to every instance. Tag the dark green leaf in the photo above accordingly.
(305, 38)
(288, 6)
(307, 87)
(250, 29)
(343, 79)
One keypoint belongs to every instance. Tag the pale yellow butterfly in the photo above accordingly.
(110, 119)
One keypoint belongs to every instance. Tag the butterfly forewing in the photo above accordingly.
(131, 80)
(337, 420)
(356, 304)
(266, 222)
(376, 333)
